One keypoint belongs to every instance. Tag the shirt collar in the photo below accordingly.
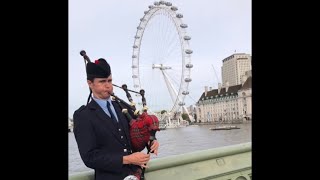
(102, 102)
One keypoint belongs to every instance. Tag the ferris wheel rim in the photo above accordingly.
(184, 44)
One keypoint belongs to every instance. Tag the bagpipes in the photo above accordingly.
(143, 126)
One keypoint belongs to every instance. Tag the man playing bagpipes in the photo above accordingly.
(103, 132)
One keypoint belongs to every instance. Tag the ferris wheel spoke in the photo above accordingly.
(168, 34)
(174, 48)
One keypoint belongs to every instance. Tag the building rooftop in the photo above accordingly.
(247, 84)
(232, 89)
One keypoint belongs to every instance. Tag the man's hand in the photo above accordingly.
(154, 147)
(137, 158)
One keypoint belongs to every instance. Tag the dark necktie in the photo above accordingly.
(111, 113)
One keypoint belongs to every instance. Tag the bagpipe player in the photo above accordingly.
(102, 132)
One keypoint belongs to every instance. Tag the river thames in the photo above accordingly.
(178, 141)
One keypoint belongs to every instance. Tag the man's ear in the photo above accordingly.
(89, 83)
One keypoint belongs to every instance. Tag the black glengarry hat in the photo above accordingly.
(99, 69)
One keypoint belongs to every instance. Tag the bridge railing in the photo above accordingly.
(223, 163)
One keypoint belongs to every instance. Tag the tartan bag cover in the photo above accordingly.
(140, 130)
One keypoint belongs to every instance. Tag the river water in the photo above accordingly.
(178, 141)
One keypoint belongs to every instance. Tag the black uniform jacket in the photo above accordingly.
(102, 142)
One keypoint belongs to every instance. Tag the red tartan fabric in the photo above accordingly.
(137, 173)
(140, 130)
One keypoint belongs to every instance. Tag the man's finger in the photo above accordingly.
(155, 152)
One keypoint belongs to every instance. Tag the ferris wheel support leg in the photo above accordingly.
(173, 93)
(186, 111)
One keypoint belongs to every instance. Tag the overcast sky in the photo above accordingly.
(106, 29)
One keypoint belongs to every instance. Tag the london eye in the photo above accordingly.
(161, 58)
